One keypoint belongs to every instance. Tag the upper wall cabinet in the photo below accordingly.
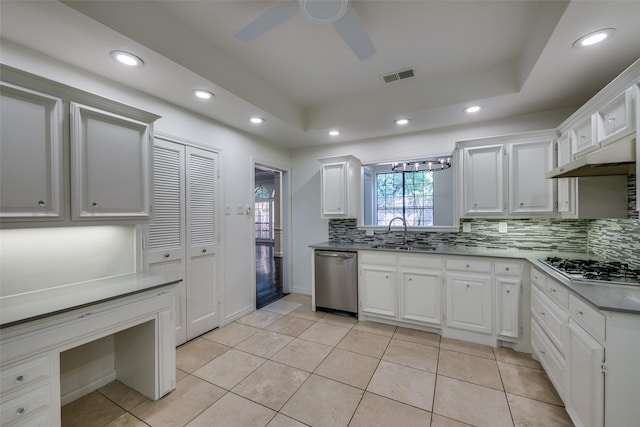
(340, 178)
(505, 176)
(110, 165)
(31, 154)
(68, 155)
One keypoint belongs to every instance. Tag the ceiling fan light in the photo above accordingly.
(594, 38)
(324, 11)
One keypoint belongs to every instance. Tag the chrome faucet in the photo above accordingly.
(405, 227)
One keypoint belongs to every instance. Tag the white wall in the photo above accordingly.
(309, 228)
(237, 149)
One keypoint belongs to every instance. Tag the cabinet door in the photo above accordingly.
(566, 186)
(469, 302)
(202, 241)
(584, 138)
(31, 153)
(585, 390)
(378, 290)
(420, 296)
(110, 165)
(165, 240)
(334, 196)
(529, 191)
(483, 184)
(508, 306)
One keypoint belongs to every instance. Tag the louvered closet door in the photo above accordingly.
(166, 240)
(202, 241)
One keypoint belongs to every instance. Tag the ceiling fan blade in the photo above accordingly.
(268, 20)
(353, 32)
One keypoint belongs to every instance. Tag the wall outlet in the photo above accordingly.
(239, 209)
(502, 227)
(466, 227)
(368, 232)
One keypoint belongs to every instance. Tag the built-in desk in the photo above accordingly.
(136, 312)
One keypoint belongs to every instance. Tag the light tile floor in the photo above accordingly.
(285, 365)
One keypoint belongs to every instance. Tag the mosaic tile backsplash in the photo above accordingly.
(617, 239)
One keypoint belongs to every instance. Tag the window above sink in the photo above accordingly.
(421, 191)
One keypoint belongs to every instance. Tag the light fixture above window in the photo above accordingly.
(126, 58)
(402, 121)
(257, 120)
(334, 132)
(423, 165)
(594, 37)
(203, 94)
(473, 109)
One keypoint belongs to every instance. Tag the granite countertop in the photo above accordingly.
(28, 306)
(620, 298)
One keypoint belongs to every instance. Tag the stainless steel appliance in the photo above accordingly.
(336, 281)
(586, 270)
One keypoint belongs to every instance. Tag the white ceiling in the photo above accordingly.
(511, 57)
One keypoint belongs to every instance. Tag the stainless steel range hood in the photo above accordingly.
(615, 159)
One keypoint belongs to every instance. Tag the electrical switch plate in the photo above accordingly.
(227, 209)
(502, 227)
(466, 227)
(239, 209)
(368, 232)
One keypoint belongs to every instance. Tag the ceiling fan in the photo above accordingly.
(337, 12)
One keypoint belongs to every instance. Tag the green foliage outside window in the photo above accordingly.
(405, 194)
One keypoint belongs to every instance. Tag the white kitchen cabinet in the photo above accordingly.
(420, 296)
(529, 190)
(340, 177)
(565, 186)
(505, 176)
(552, 360)
(508, 306)
(469, 301)
(615, 120)
(110, 158)
(483, 181)
(583, 138)
(585, 385)
(182, 239)
(377, 284)
(31, 155)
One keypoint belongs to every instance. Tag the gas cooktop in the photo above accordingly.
(605, 272)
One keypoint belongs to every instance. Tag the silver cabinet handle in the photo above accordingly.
(167, 255)
(468, 286)
(20, 411)
(508, 291)
(19, 379)
(41, 203)
(579, 313)
(507, 269)
(204, 250)
(94, 204)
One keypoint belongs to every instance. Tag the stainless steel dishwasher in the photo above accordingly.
(336, 277)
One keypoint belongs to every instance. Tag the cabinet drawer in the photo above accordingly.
(24, 405)
(538, 278)
(23, 373)
(551, 318)
(508, 268)
(377, 258)
(469, 265)
(552, 361)
(558, 293)
(588, 317)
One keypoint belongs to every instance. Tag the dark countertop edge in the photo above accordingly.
(163, 282)
(590, 293)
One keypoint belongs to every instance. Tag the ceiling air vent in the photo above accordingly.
(397, 76)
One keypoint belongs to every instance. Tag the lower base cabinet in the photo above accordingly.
(469, 302)
(585, 383)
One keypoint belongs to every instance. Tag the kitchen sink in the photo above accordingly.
(397, 247)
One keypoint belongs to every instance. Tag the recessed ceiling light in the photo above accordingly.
(473, 109)
(594, 37)
(203, 94)
(402, 122)
(256, 120)
(334, 132)
(127, 58)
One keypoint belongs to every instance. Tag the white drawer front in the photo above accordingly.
(421, 261)
(558, 293)
(508, 268)
(588, 317)
(538, 278)
(469, 265)
(552, 361)
(552, 318)
(377, 258)
(23, 373)
(24, 405)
